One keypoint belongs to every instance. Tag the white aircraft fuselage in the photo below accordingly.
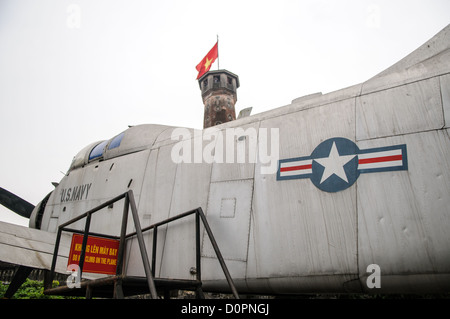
(342, 192)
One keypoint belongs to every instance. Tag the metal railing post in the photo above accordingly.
(55, 254)
(155, 239)
(83, 247)
(218, 254)
(120, 254)
(197, 246)
(140, 237)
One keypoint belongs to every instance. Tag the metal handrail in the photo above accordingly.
(199, 216)
(129, 201)
(149, 270)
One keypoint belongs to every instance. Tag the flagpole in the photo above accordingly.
(218, 57)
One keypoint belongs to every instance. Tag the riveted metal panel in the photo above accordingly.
(32, 247)
(189, 192)
(228, 213)
(157, 191)
(429, 60)
(404, 216)
(297, 229)
(445, 92)
(238, 146)
(88, 187)
(405, 109)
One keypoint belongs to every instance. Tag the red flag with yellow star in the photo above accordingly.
(209, 59)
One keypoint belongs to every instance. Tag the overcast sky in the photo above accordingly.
(74, 72)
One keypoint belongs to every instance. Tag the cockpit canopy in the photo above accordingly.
(95, 151)
(134, 139)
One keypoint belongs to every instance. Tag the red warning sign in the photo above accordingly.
(100, 257)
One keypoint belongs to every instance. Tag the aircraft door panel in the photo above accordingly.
(228, 213)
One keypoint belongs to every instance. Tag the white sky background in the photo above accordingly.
(75, 72)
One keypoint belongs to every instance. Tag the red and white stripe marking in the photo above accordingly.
(383, 159)
(296, 168)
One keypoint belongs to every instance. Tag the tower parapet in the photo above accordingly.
(219, 96)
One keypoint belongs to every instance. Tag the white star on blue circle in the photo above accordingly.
(335, 165)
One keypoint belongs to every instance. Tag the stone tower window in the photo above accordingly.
(216, 78)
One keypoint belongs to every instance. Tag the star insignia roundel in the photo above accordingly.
(336, 164)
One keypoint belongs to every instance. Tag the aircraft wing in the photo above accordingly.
(32, 248)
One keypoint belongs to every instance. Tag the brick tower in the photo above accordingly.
(219, 96)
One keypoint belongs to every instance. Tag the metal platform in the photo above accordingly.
(120, 285)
